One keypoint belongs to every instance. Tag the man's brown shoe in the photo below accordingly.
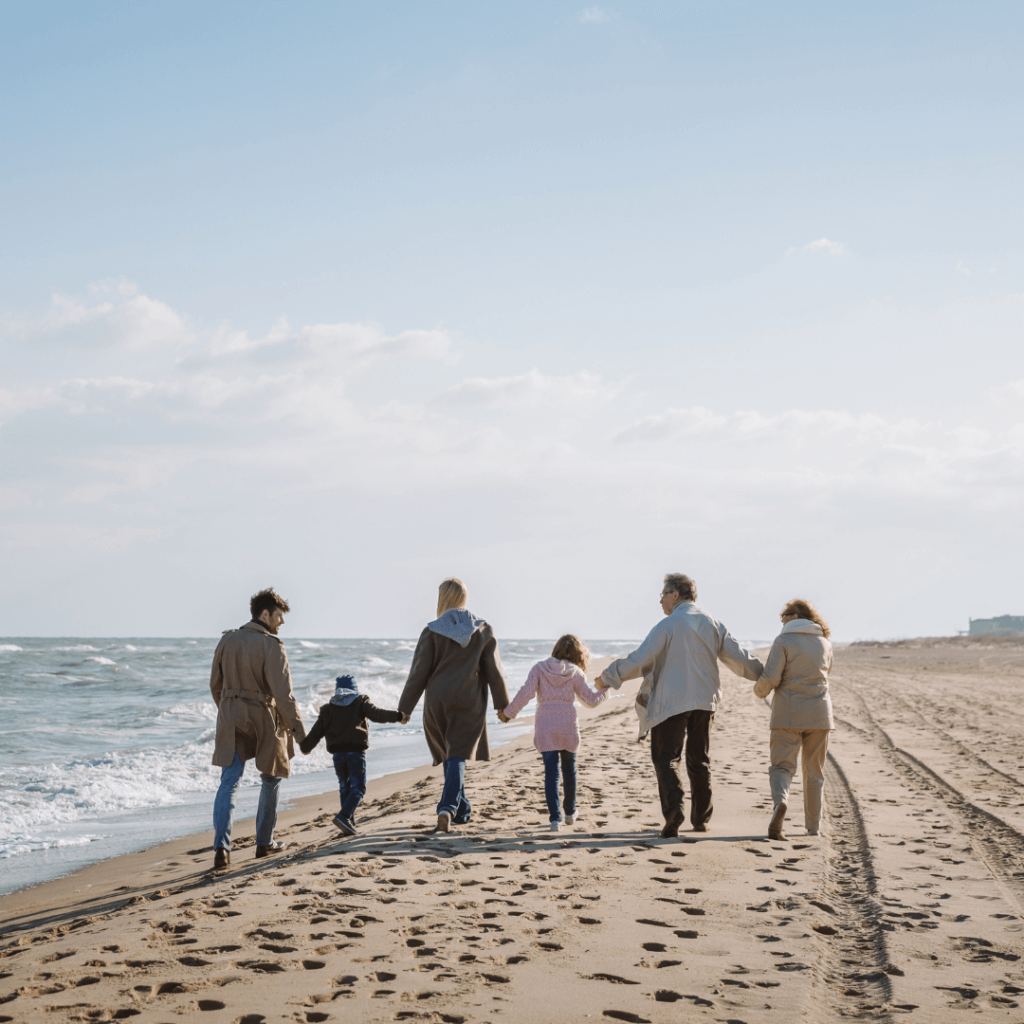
(221, 859)
(700, 828)
(670, 831)
(268, 851)
(778, 818)
(444, 822)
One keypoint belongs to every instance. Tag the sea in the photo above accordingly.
(105, 744)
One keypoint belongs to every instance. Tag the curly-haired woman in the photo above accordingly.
(797, 670)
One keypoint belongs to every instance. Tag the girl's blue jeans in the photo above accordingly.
(551, 763)
(351, 771)
(224, 806)
(453, 796)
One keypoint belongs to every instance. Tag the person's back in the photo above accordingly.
(797, 670)
(801, 698)
(342, 723)
(680, 694)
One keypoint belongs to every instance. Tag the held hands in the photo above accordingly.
(600, 684)
(502, 717)
(405, 718)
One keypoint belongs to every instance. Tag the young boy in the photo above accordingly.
(343, 722)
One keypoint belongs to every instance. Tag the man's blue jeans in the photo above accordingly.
(453, 796)
(351, 771)
(224, 806)
(551, 759)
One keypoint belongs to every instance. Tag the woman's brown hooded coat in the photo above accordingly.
(456, 679)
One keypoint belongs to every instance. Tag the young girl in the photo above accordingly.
(556, 683)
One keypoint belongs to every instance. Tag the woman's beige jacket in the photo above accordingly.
(797, 670)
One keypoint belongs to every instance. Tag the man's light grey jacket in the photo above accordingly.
(679, 664)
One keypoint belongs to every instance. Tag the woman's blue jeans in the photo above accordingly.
(551, 759)
(351, 771)
(453, 796)
(224, 806)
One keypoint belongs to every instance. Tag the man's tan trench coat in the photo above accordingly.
(257, 716)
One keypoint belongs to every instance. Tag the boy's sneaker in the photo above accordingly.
(570, 819)
(345, 824)
(556, 826)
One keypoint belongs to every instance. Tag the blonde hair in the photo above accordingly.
(806, 610)
(451, 594)
(573, 649)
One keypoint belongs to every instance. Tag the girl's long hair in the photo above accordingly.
(806, 610)
(572, 649)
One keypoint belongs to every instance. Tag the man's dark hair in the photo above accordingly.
(266, 601)
(682, 585)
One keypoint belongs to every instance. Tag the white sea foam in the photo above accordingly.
(77, 647)
(310, 644)
(130, 647)
(372, 661)
(11, 647)
(100, 660)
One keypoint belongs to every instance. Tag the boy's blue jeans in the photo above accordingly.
(224, 806)
(551, 759)
(351, 771)
(453, 796)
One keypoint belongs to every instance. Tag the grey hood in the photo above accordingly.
(457, 624)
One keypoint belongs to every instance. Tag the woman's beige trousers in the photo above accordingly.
(812, 746)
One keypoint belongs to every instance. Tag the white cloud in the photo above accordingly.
(826, 245)
(529, 388)
(594, 16)
(350, 438)
(961, 269)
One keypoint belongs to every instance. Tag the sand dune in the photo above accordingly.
(909, 905)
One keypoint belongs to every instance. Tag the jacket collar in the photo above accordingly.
(254, 624)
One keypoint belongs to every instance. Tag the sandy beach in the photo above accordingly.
(910, 905)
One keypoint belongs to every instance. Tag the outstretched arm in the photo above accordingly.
(526, 693)
(637, 664)
(591, 698)
(315, 735)
(773, 669)
(419, 674)
(493, 673)
(380, 715)
(734, 657)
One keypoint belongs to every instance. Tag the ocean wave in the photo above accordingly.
(372, 661)
(100, 660)
(16, 845)
(11, 647)
(77, 647)
(309, 643)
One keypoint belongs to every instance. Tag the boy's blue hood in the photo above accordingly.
(457, 624)
(346, 691)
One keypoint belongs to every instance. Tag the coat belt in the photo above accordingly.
(234, 691)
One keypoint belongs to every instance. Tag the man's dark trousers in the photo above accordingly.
(692, 728)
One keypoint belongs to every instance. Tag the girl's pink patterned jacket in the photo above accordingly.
(556, 685)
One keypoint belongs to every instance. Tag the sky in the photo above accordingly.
(346, 298)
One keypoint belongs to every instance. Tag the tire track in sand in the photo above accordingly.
(1000, 845)
(855, 962)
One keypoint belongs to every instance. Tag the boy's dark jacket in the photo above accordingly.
(345, 726)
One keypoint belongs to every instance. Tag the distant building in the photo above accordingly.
(1002, 625)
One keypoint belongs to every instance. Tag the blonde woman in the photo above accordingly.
(797, 670)
(456, 664)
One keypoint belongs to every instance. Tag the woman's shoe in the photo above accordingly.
(778, 818)
(444, 822)
(571, 819)
(556, 826)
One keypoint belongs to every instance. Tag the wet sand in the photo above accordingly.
(909, 905)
